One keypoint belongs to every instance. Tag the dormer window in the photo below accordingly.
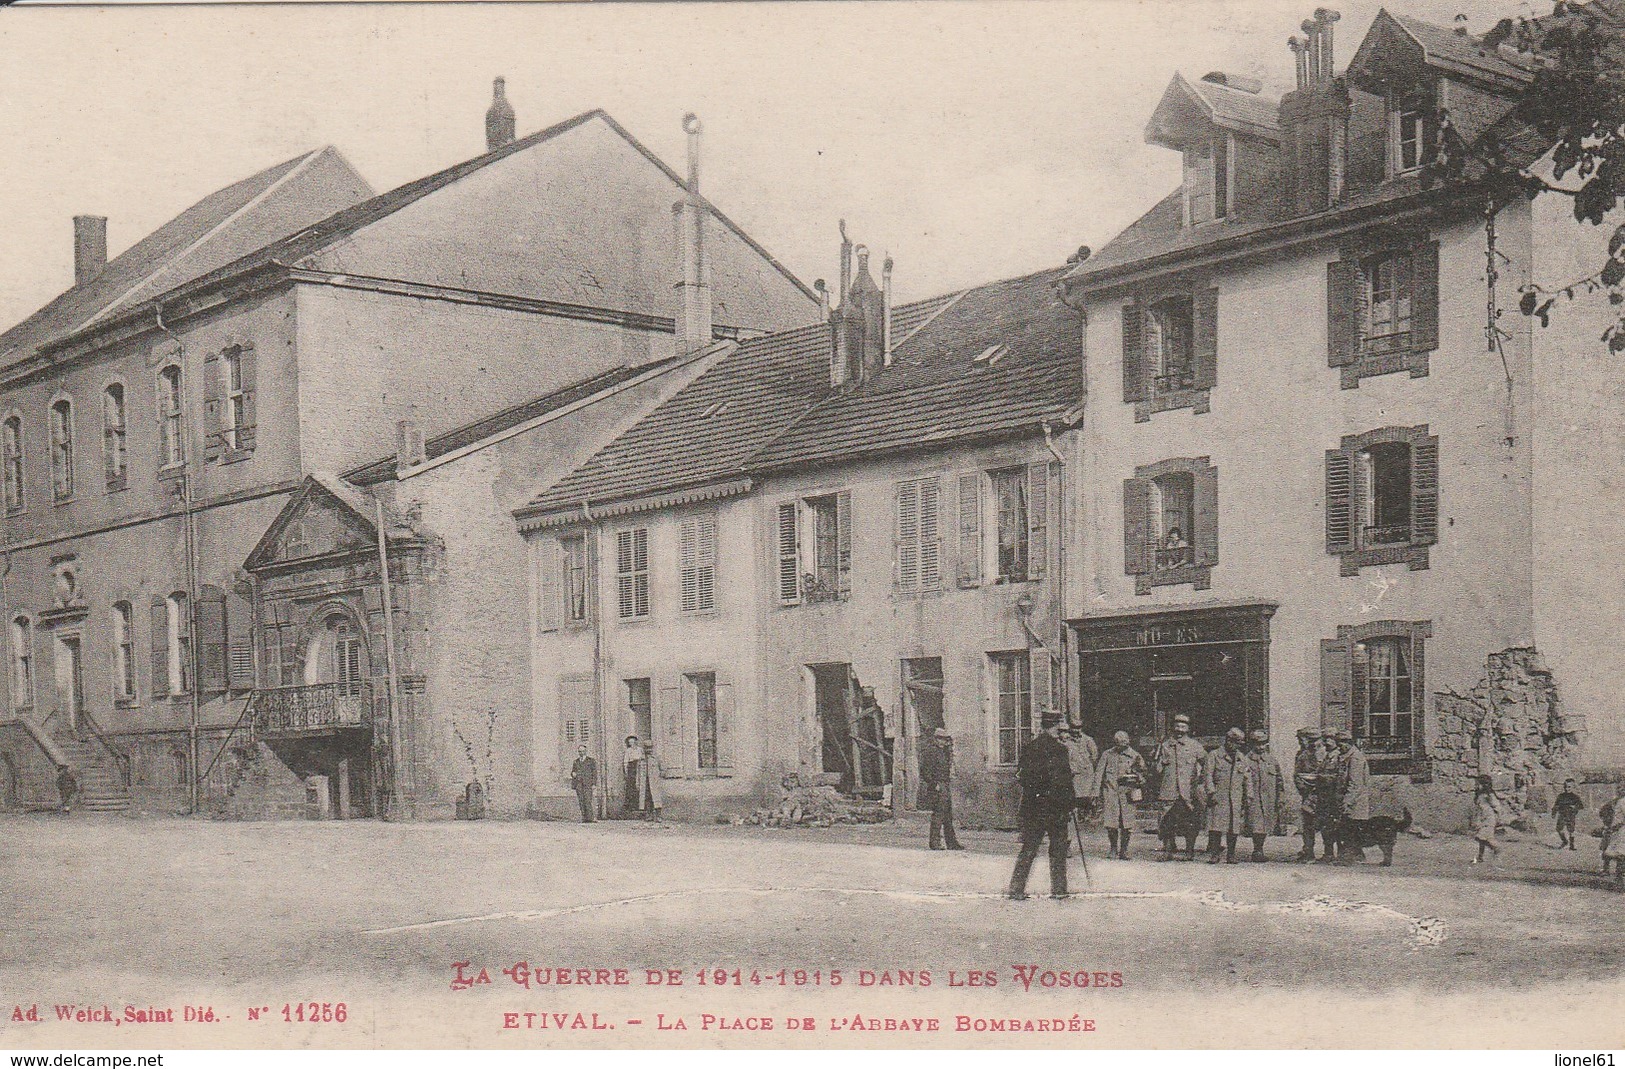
(1207, 180)
(1410, 132)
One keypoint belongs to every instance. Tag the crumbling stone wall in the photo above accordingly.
(1512, 727)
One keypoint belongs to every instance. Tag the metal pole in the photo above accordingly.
(397, 798)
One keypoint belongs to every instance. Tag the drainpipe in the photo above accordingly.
(600, 681)
(1061, 482)
(196, 709)
(397, 797)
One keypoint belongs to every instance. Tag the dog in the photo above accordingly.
(1378, 831)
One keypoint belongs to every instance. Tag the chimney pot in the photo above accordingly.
(409, 448)
(89, 247)
(499, 117)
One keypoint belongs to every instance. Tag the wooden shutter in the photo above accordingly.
(970, 529)
(930, 535)
(1424, 489)
(688, 564)
(1136, 526)
(240, 642)
(725, 727)
(160, 648)
(1425, 297)
(1205, 350)
(1335, 655)
(1342, 320)
(1037, 520)
(1339, 501)
(1419, 696)
(669, 749)
(1134, 363)
(789, 541)
(213, 423)
(705, 554)
(908, 536)
(211, 640)
(245, 374)
(843, 542)
(1043, 681)
(1205, 517)
(550, 582)
(578, 700)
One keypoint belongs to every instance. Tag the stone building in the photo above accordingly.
(187, 408)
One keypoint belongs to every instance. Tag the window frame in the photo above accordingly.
(23, 665)
(1351, 347)
(125, 676)
(115, 437)
(1017, 479)
(1421, 103)
(178, 644)
(807, 528)
(1349, 500)
(1144, 358)
(1143, 527)
(694, 711)
(632, 578)
(171, 386)
(59, 432)
(572, 561)
(1019, 729)
(1212, 184)
(14, 457)
(1346, 689)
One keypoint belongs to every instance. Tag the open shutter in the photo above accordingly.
(970, 529)
(1339, 501)
(1425, 297)
(669, 750)
(245, 374)
(1358, 670)
(211, 640)
(213, 438)
(1419, 697)
(160, 648)
(1205, 352)
(930, 535)
(725, 727)
(1134, 369)
(1334, 683)
(1342, 305)
(1425, 489)
(1136, 526)
(550, 582)
(908, 536)
(789, 541)
(1037, 520)
(1205, 517)
(240, 642)
(1043, 682)
(843, 542)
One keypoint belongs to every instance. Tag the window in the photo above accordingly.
(1372, 685)
(1384, 704)
(1207, 180)
(171, 439)
(632, 573)
(1382, 498)
(13, 446)
(1018, 504)
(1382, 310)
(1170, 337)
(1170, 352)
(1013, 697)
(1385, 282)
(702, 694)
(114, 458)
(919, 546)
(1410, 133)
(563, 579)
(178, 649)
(22, 663)
(815, 549)
(1171, 524)
(62, 449)
(231, 367)
(123, 652)
(1013, 544)
(573, 550)
(697, 563)
(228, 402)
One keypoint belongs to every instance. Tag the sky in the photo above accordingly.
(971, 139)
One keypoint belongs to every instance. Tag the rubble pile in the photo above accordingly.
(816, 805)
(1511, 727)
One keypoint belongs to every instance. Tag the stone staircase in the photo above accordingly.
(101, 788)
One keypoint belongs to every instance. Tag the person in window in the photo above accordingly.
(1178, 762)
(1230, 781)
(1264, 809)
(632, 776)
(1175, 550)
(1119, 777)
(584, 778)
(1045, 777)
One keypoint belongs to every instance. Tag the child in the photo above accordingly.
(1566, 809)
(1613, 836)
(1486, 815)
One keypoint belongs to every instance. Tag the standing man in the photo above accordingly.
(584, 778)
(1329, 812)
(1356, 786)
(1179, 777)
(1119, 777)
(1045, 777)
(1264, 812)
(67, 785)
(936, 772)
(1306, 780)
(1082, 754)
(1230, 782)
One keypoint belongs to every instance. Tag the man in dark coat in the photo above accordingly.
(67, 785)
(1230, 783)
(1045, 776)
(936, 772)
(584, 778)
(1306, 780)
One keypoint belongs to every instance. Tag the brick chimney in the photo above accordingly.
(840, 363)
(499, 118)
(694, 288)
(1314, 119)
(89, 247)
(863, 318)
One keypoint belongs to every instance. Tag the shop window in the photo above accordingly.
(1382, 498)
(1171, 524)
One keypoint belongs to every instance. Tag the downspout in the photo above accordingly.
(600, 683)
(1061, 485)
(397, 796)
(196, 708)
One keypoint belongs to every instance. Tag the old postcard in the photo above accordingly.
(635, 526)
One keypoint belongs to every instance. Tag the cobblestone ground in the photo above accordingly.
(109, 913)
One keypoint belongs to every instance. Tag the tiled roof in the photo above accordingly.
(1452, 49)
(708, 430)
(998, 360)
(470, 433)
(220, 228)
(1232, 107)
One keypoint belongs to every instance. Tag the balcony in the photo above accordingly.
(1388, 534)
(318, 709)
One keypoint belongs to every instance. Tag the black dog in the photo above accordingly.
(1378, 831)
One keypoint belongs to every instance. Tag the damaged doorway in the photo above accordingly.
(922, 706)
(853, 738)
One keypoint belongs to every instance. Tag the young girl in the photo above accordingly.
(1486, 814)
(1613, 837)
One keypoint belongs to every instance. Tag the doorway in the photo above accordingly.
(922, 708)
(70, 680)
(833, 699)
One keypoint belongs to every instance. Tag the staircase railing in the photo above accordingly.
(121, 760)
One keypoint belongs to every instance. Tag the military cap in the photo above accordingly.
(1308, 733)
(1181, 718)
(1259, 736)
(1237, 734)
(942, 733)
(1049, 718)
(1120, 736)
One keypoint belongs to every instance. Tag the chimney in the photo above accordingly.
(89, 247)
(1314, 118)
(499, 119)
(862, 319)
(409, 449)
(885, 309)
(694, 291)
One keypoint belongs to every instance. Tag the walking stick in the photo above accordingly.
(1077, 825)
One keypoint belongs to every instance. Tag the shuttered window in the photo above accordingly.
(115, 458)
(228, 403)
(919, 538)
(1382, 310)
(789, 558)
(13, 447)
(632, 573)
(211, 636)
(123, 652)
(171, 439)
(1171, 524)
(1373, 685)
(1171, 351)
(814, 542)
(697, 563)
(22, 663)
(1382, 498)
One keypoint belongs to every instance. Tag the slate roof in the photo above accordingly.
(1236, 107)
(1448, 48)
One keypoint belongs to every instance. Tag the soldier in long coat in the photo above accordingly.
(1178, 762)
(1230, 782)
(1355, 785)
(1120, 772)
(1045, 777)
(1306, 781)
(1264, 808)
(1082, 754)
(1329, 797)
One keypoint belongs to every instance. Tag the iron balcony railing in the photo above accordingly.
(310, 709)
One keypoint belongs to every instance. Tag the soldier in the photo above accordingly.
(1355, 784)
(1329, 810)
(1045, 777)
(1264, 810)
(1082, 753)
(1118, 777)
(584, 778)
(936, 772)
(1230, 782)
(1179, 775)
(1305, 779)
